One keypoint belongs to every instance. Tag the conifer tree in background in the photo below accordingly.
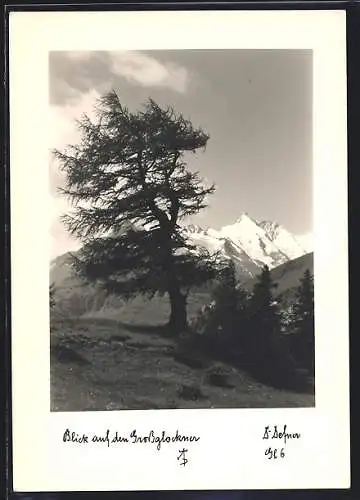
(264, 309)
(225, 296)
(273, 362)
(304, 322)
(223, 322)
(130, 188)
(231, 302)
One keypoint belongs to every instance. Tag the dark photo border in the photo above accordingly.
(353, 85)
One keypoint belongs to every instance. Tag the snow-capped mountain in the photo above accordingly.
(249, 243)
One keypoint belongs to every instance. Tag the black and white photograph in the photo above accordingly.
(182, 258)
(179, 277)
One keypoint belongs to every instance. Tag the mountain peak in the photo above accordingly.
(244, 216)
(250, 242)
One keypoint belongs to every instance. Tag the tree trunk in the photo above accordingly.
(178, 317)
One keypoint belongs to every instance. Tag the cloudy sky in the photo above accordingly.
(255, 105)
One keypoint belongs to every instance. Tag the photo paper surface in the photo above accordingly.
(179, 250)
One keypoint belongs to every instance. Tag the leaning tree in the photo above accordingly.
(131, 189)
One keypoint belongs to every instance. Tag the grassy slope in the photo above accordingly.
(99, 364)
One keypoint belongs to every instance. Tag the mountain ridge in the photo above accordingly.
(73, 295)
(250, 243)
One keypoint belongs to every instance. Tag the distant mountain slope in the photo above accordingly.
(61, 272)
(75, 299)
(287, 276)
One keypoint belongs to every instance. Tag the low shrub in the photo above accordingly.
(218, 376)
(190, 393)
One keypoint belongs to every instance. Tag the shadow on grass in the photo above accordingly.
(65, 355)
(119, 338)
(160, 330)
(189, 359)
(141, 345)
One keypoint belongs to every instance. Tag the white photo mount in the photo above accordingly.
(229, 447)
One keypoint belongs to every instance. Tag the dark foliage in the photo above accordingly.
(189, 359)
(225, 317)
(303, 338)
(272, 360)
(245, 330)
(217, 376)
(130, 189)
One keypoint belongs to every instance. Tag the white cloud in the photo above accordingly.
(62, 243)
(63, 131)
(74, 73)
(306, 241)
(135, 67)
(148, 71)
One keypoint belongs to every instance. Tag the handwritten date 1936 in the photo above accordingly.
(274, 453)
